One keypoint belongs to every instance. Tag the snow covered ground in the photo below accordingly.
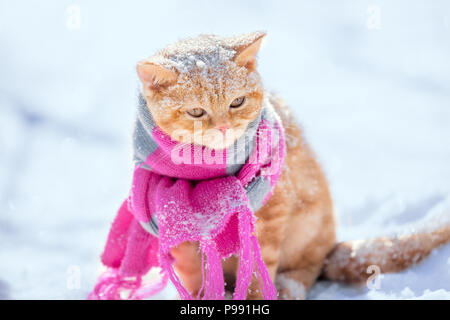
(369, 80)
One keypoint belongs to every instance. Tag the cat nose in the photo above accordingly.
(223, 128)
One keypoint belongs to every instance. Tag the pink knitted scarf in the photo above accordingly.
(192, 193)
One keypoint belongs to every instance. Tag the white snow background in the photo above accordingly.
(369, 81)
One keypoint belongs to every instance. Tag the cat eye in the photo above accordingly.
(237, 102)
(196, 112)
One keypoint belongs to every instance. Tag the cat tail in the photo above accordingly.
(356, 261)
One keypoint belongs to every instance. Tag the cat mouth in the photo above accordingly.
(219, 140)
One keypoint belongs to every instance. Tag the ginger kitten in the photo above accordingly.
(207, 90)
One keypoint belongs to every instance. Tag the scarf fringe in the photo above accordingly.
(251, 262)
(166, 265)
(111, 285)
(213, 285)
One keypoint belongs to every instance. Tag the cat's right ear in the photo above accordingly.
(154, 76)
(248, 48)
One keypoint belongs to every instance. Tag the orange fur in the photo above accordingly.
(296, 227)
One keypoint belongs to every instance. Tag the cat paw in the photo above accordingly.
(289, 289)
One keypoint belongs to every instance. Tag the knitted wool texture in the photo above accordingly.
(192, 193)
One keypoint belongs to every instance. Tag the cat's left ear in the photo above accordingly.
(246, 52)
(154, 76)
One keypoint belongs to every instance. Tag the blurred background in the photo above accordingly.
(368, 80)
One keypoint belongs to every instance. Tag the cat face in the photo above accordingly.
(204, 90)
